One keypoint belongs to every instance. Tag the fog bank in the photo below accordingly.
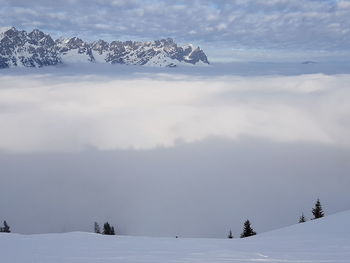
(41, 113)
(165, 154)
(194, 190)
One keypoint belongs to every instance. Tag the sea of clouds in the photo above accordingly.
(44, 112)
(162, 152)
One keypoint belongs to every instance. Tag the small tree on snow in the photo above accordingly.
(302, 218)
(108, 229)
(97, 228)
(230, 234)
(317, 211)
(247, 230)
(5, 228)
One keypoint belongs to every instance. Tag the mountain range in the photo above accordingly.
(37, 49)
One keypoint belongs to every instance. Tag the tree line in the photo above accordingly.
(317, 212)
(248, 230)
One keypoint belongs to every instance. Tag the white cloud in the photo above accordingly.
(58, 113)
(344, 4)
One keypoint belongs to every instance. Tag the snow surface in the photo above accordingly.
(322, 240)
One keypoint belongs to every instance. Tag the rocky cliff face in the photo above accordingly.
(37, 49)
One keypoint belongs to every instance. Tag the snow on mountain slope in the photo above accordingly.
(34, 49)
(323, 240)
(37, 49)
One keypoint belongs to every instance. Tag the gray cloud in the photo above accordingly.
(275, 24)
(201, 189)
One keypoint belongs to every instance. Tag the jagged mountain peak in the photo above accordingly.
(37, 32)
(3, 29)
(39, 37)
(9, 30)
(12, 33)
(36, 49)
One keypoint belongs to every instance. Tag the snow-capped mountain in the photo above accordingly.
(34, 49)
(37, 49)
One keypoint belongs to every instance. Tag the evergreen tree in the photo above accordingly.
(6, 228)
(247, 230)
(317, 211)
(108, 229)
(302, 218)
(97, 228)
(230, 234)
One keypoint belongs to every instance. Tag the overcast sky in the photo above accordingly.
(227, 30)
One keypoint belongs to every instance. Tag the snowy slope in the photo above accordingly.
(323, 240)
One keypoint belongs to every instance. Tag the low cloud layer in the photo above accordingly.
(164, 154)
(41, 113)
